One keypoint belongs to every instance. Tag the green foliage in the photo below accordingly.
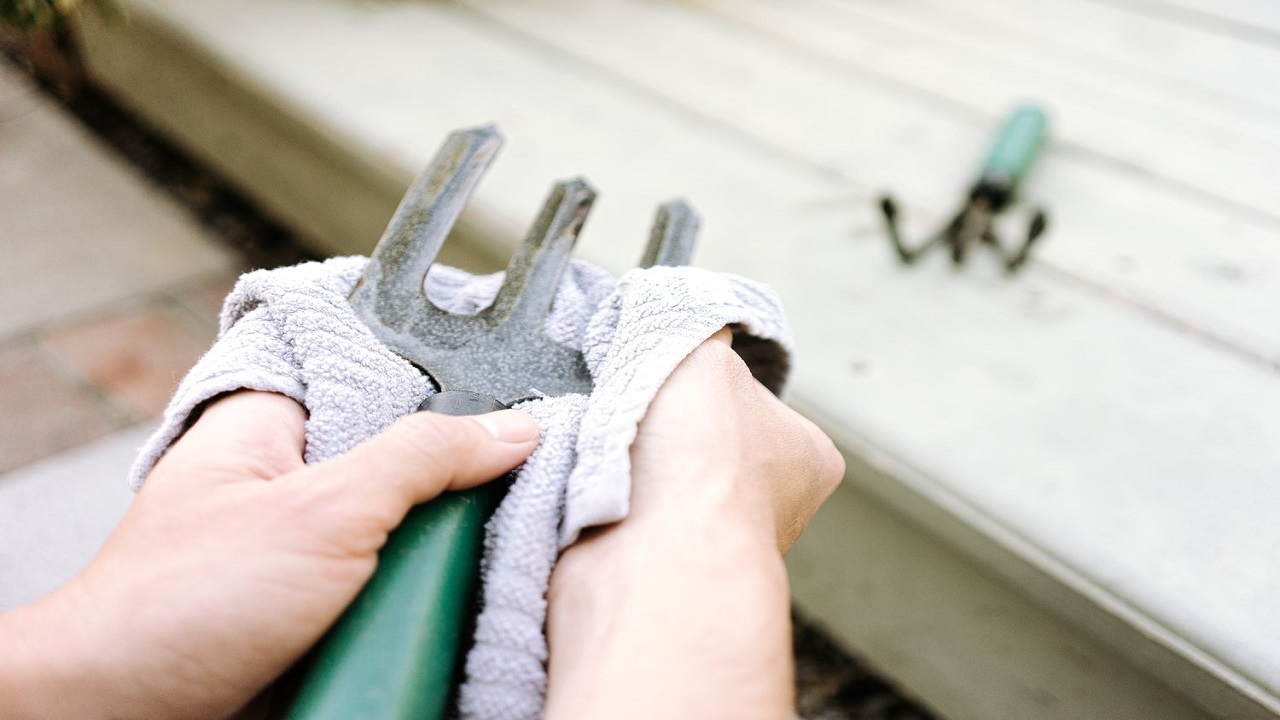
(29, 15)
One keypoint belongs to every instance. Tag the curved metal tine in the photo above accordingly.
(1039, 222)
(909, 256)
(534, 273)
(965, 229)
(889, 209)
(675, 230)
(394, 276)
(990, 238)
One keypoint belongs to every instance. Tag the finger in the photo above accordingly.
(421, 456)
(258, 435)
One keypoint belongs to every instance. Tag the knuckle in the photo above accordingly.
(828, 462)
(834, 466)
(719, 359)
(817, 459)
(731, 371)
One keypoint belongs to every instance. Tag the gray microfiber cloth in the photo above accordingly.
(291, 331)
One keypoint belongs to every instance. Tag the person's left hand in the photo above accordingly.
(233, 560)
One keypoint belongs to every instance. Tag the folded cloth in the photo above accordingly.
(291, 331)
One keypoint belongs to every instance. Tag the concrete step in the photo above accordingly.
(55, 514)
(102, 309)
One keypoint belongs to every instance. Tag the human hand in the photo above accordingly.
(234, 559)
(716, 442)
(682, 610)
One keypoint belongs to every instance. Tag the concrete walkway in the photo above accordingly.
(108, 293)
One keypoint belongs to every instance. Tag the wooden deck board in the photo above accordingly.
(1186, 259)
(1255, 21)
(1087, 56)
(1187, 53)
(1189, 136)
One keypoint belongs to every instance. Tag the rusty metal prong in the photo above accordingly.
(534, 273)
(675, 230)
(398, 265)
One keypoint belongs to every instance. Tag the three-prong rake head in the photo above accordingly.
(394, 653)
(503, 351)
(1013, 152)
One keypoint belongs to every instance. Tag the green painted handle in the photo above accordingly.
(393, 655)
(1016, 147)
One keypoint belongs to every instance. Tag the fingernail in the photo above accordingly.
(509, 426)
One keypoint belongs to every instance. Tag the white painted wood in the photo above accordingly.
(1003, 406)
(1008, 41)
(1131, 461)
(1257, 20)
(1196, 55)
(1224, 146)
(1198, 264)
(913, 606)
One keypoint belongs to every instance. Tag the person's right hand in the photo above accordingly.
(716, 441)
(681, 610)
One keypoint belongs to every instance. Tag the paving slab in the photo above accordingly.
(44, 410)
(205, 300)
(79, 228)
(135, 357)
(56, 514)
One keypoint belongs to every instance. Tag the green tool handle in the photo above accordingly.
(393, 655)
(1016, 146)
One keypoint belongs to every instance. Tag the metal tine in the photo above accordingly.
(911, 256)
(534, 273)
(1036, 228)
(963, 229)
(393, 279)
(675, 230)
(889, 209)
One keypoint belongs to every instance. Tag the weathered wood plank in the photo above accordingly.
(1195, 55)
(1255, 20)
(914, 607)
(1018, 415)
(1222, 145)
(1063, 65)
(1088, 53)
(1197, 264)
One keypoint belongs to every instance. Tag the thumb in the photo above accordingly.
(425, 454)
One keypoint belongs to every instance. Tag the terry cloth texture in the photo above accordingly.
(291, 331)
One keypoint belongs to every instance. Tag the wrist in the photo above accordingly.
(636, 609)
(44, 662)
(714, 503)
(700, 535)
